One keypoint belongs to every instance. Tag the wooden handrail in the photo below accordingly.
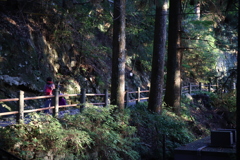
(9, 99)
(83, 95)
(8, 113)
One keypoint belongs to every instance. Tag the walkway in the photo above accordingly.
(12, 119)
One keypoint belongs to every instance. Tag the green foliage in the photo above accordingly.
(140, 32)
(63, 36)
(109, 131)
(200, 61)
(99, 81)
(226, 101)
(220, 114)
(96, 133)
(43, 135)
(152, 127)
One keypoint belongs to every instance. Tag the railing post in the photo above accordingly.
(138, 95)
(149, 93)
(82, 99)
(200, 86)
(106, 97)
(126, 98)
(234, 86)
(56, 102)
(189, 88)
(20, 116)
(209, 87)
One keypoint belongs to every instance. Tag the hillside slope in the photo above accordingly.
(40, 39)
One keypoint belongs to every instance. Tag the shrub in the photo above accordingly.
(154, 130)
(96, 133)
(224, 100)
(225, 105)
(109, 130)
(43, 136)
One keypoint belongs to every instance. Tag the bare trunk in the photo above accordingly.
(173, 84)
(238, 89)
(157, 75)
(119, 55)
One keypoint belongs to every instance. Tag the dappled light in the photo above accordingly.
(103, 56)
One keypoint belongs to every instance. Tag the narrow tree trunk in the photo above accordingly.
(197, 10)
(119, 55)
(157, 75)
(173, 83)
(238, 88)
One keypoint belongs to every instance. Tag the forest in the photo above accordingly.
(119, 45)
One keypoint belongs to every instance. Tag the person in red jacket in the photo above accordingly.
(49, 86)
(48, 90)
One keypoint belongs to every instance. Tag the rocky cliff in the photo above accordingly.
(45, 38)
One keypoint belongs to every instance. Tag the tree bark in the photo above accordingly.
(173, 83)
(119, 55)
(238, 90)
(158, 61)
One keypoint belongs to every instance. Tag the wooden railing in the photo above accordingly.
(191, 88)
(83, 96)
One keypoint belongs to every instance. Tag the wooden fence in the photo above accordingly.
(191, 88)
(82, 97)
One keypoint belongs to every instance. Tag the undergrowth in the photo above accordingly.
(98, 133)
(205, 115)
(156, 131)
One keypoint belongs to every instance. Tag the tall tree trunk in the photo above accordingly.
(238, 88)
(197, 10)
(173, 84)
(157, 75)
(119, 55)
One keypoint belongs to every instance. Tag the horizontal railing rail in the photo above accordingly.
(136, 97)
